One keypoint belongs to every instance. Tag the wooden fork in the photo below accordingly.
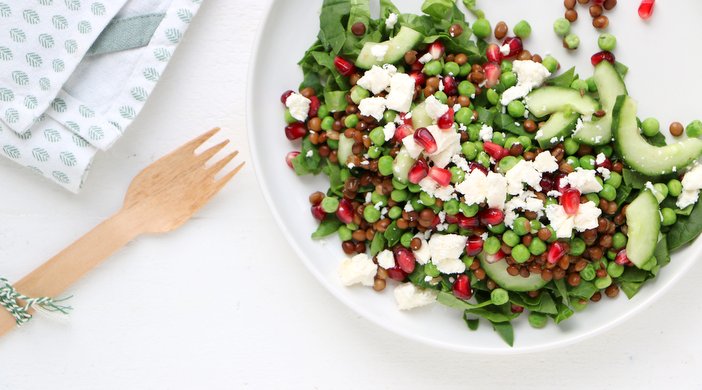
(160, 198)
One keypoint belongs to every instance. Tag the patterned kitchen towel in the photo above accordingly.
(103, 92)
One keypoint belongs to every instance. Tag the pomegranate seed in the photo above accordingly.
(562, 183)
(435, 222)
(450, 85)
(424, 138)
(419, 171)
(492, 74)
(622, 258)
(402, 132)
(345, 67)
(445, 121)
(345, 211)
(405, 259)
(556, 252)
(295, 130)
(496, 257)
(396, 274)
(314, 106)
(417, 67)
(419, 78)
(317, 212)
(491, 217)
(602, 56)
(515, 46)
(607, 164)
(468, 223)
(494, 150)
(440, 175)
(290, 157)
(517, 309)
(474, 245)
(646, 9)
(493, 53)
(406, 119)
(474, 165)
(284, 97)
(451, 218)
(570, 200)
(547, 183)
(461, 287)
(437, 50)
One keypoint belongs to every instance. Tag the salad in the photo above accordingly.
(463, 171)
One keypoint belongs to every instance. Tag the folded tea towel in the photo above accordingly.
(75, 73)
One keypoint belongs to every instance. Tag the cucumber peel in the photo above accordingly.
(397, 46)
(497, 271)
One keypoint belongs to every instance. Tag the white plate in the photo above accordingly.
(292, 25)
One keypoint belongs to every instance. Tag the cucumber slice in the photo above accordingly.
(609, 86)
(344, 151)
(497, 271)
(560, 124)
(402, 164)
(547, 100)
(644, 223)
(404, 41)
(420, 118)
(639, 154)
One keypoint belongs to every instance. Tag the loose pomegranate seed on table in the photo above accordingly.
(646, 9)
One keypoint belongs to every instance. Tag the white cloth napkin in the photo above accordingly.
(67, 90)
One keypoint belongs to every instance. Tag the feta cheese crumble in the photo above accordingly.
(391, 21)
(357, 269)
(298, 105)
(378, 51)
(434, 108)
(446, 251)
(423, 254)
(386, 259)
(408, 296)
(425, 58)
(692, 183)
(545, 162)
(584, 180)
(401, 92)
(522, 173)
(377, 79)
(485, 133)
(530, 75)
(563, 223)
(372, 106)
(389, 130)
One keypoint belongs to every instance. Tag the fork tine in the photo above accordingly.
(197, 142)
(207, 154)
(225, 179)
(216, 167)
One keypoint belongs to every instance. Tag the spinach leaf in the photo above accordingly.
(686, 211)
(685, 229)
(564, 312)
(420, 23)
(486, 116)
(302, 164)
(565, 79)
(336, 185)
(438, 9)
(661, 253)
(621, 69)
(335, 100)
(392, 234)
(450, 300)
(471, 323)
(543, 303)
(623, 193)
(507, 123)
(494, 313)
(505, 331)
(657, 140)
(584, 290)
(328, 226)
(631, 288)
(332, 33)
(562, 290)
(473, 8)
(633, 274)
(377, 245)
(634, 179)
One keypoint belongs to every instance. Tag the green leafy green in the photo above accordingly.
(685, 229)
(304, 164)
(450, 300)
(392, 234)
(377, 245)
(634, 179)
(505, 330)
(438, 9)
(564, 312)
(328, 226)
(507, 123)
(335, 100)
(332, 32)
(471, 323)
(661, 253)
(584, 290)
(565, 79)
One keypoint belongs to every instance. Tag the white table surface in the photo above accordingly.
(223, 303)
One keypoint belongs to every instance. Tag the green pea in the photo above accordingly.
(608, 192)
(577, 247)
(426, 199)
(669, 216)
(389, 116)
(395, 212)
(431, 270)
(289, 118)
(520, 253)
(516, 109)
(432, 68)
(497, 229)
(588, 273)
(345, 234)
(466, 88)
(385, 165)
(452, 207)
(605, 282)
(323, 111)
(522, 226)
(351, 121)
(371, 214)
(441, 96)
(398, 185)
(535, 226)
(573, 161)
(498, 138)
(327, 123)
(465, 69)
(611, 255)
(469, 210)
(352, 226)
(525, 141)
(570, 146)
(538, 320)
(561, 27)
(587, 162)
(483, 159)
(615, 270)
(599, 180)
(375, 152)
(464, 116)
(508, 79)
(675, 187)
(550, 63)
(572, 41)
(414, 188)
(377, 136)
(358, 93)
(406, 239)
(399, 195)
(593, 198)
(619, 240)
(579, 85)
(607, 42)
(510, 238)
(537, 247)
(650, 127)
(510, 141)
(457, 175)
(522, 29)
(591, 85)
(474, 132)
(330, 204)
(452, 229)
(492, 245)
(499, 296)
(661, 189)
(482, 28)
(615, 179)
(694, 129)
(452, 69)
(379, 198)
(492, 96)
(469, 150)
(506, 66)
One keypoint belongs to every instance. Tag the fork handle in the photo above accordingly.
(58, 273)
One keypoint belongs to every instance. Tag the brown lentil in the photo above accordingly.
(612, 291)
(358, 29)
(512, 270)
(379, 284)
(308, 92)
(571, 15)
(501, 30)
(580, 265)
(574, 279)
(348, 247)
(558, 273)
(537, 58)
(609, 4)
(315, 198)
(455, 30)
(411, 57)
(596, 10)
(546, 275)
(360, 247)
(479, 274)
(524, 272)
(676, 129)
(530, 126)
(464, 101)
(533, 294)
(524, 55)
(416, 244)
(601, 273)
(600, 22)
(353, 79)
(460, 59)
(596, 297)
(544, 234)
(583, 1)
(569, 4)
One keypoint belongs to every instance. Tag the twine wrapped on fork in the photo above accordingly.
(9, 299)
